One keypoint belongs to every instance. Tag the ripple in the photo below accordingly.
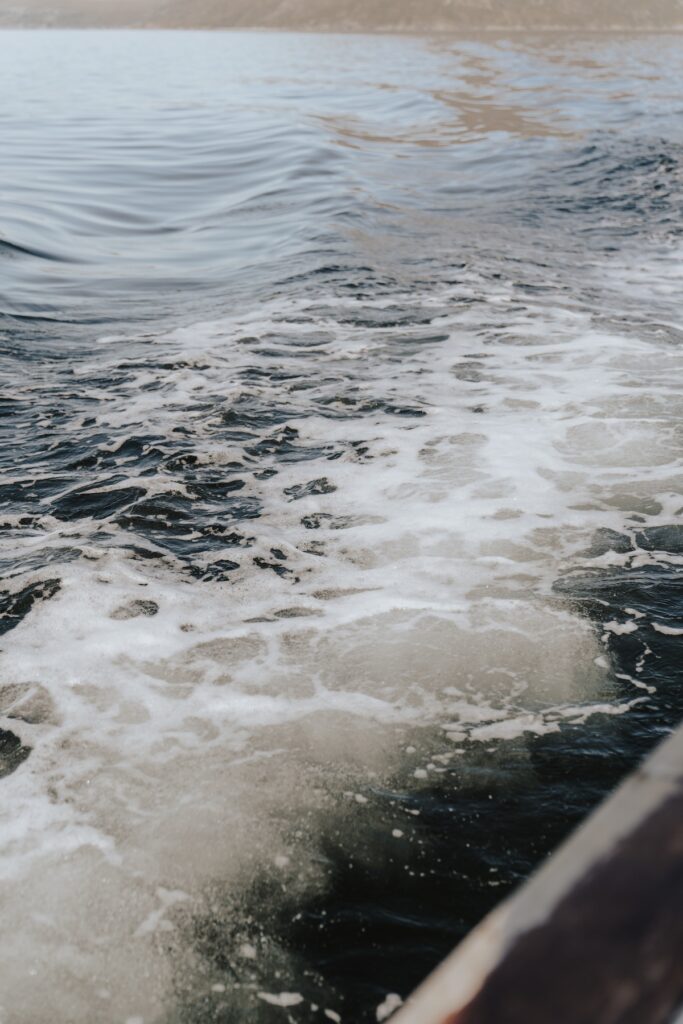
(341, 561)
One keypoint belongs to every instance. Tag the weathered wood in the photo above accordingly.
(595, 936)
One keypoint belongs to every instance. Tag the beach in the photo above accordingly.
(353, 15)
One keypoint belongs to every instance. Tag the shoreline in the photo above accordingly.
(354, 17)
(440, 33)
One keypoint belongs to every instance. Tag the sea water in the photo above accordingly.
(341, 540)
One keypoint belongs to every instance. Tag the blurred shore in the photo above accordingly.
(351, 15)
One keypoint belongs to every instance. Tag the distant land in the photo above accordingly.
(349, 15)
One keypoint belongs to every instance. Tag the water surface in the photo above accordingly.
(341, 535)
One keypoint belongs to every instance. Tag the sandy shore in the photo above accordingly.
(351, 15)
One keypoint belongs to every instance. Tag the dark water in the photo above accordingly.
(341, 537)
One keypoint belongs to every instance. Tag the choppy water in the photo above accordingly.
(341, 539)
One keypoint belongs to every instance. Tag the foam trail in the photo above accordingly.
(413, 515)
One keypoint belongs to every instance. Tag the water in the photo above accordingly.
(341, 542)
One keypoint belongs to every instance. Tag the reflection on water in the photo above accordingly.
(341, 526)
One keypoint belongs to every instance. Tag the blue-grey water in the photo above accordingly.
(341, 495)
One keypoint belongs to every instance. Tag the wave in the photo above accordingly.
(14, 248)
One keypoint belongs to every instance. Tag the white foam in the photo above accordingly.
(183, 745)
